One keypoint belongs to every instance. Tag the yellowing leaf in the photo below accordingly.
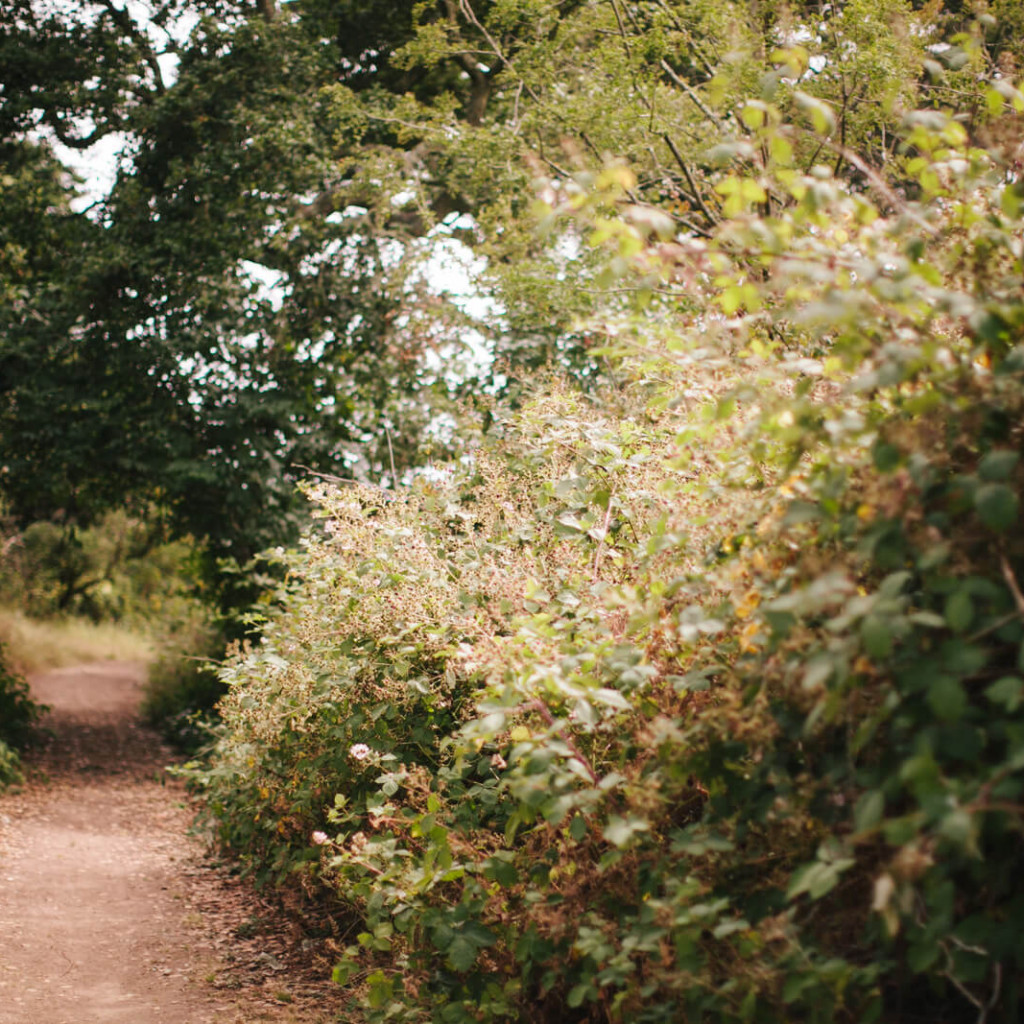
(820, 113)
(753, 115)
(731, 299)
(749, 638)
(781, 150)
(885, 888)
(747, 604)
(619, 176)
(753, 191)
(995, 102)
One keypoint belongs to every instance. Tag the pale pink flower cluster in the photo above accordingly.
(359, 751)
(320, 838)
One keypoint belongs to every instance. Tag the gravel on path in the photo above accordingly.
(110, 912)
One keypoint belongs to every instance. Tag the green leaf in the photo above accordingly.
(611, 698)
(442, 936)
(885, 456)
(877, 636)
(960, 828)
(959, 611)
(731, 299)
(869, 810)
(818, 878)
(1011, 202)
(994, 101)
(729, 927)
(922, 954)
(697, 681)
(579, 993)
(753, 114)
(500, 870)
(795, 984)
(947, 698)
(997, 506)
(1008, 691)
(820, 113)
(997, 466)
(930, 620)
(898, 831)
(479, 934)
(921, 770)
(818, 672)
(462, 953)
(619, 831)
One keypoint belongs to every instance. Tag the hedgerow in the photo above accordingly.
(699, 697)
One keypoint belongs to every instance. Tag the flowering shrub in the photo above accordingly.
(700, 697)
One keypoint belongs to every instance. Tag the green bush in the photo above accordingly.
(10, 766)
(701, 698)
(19, 715)
(182, 687)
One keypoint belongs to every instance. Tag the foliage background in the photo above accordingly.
(687, 682)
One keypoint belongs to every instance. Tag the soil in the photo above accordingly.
(110, 911)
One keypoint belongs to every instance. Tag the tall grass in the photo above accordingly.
(33, 645)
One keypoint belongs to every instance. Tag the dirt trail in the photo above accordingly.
(109, 913)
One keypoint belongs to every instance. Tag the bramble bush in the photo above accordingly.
(701, 696)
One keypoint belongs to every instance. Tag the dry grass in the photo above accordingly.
(33, 645)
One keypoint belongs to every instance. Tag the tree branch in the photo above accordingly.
(622, 29)
(689, 38)
(688, 89)
(689, 177)
(65, 137)
(480, 91)
(470, 15)
(1011, 582)
(128, 25)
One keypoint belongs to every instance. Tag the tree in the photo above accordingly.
(324, 148)
(143, 358)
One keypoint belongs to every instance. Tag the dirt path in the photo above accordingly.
(109, 913)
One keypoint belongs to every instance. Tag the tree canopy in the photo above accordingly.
(250, 298)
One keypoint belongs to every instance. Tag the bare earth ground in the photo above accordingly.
(109, 912)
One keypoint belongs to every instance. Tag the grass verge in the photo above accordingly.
(34, 645)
